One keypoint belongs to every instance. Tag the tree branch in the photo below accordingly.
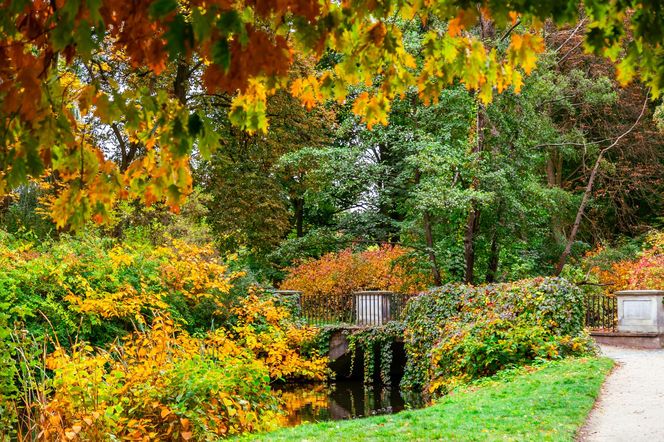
(571, 35)
(589, 188)
(509, 31)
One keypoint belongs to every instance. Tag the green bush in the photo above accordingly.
(237, 394)
(7, 375)
(457, 333)
(490, 344)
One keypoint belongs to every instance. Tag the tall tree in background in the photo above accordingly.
(256, 201)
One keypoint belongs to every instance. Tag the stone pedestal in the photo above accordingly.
(640, 311)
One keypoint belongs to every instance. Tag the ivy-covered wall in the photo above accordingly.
(457, 333)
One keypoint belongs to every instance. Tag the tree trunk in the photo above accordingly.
(472, 223)
(298, 206)
(554, 169)
(494, 253)
(579, 215)
(428, 236)
(469, 244)
(181, 81)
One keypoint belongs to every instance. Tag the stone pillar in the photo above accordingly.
(371, 307)
(640, 311)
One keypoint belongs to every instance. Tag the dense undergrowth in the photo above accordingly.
(132, 339)
(102, 339)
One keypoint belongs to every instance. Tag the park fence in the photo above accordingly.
(601, 312)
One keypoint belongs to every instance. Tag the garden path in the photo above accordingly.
(630, 407)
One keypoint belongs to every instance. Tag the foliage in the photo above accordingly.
(517, 162)
(253, 189)
(484, 347)
(457, 333)
(157, 224)
(268, 331)
(158, 384)
(560, 394)
(376, 345)
(58, 83)
(128, 333)
(335, 274)
(8, 373)
(93, 288)
(24, 214)
(646, 271)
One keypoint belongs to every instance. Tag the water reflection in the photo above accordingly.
(342, 400)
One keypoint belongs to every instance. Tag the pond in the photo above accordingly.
(345, 399)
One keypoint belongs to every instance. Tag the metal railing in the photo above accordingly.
(601, 312)
(359, 308)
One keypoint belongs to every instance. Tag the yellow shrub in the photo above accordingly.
(269, 332)
(162, 384)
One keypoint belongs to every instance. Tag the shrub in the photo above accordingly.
(456, 333)
(7, 375)
(644, 272)
(97, 289)
(335, 274)
(482, 348)
(159, 384)
(131, 348)
(267, 330)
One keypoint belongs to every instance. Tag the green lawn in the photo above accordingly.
(550, 404)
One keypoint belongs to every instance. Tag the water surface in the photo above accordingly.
(345, 399)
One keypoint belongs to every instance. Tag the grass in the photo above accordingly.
(546, 404)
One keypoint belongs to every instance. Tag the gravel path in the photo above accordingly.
(631, 404)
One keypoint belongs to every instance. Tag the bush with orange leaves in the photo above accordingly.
(165, 384)
(161, 384)
(335, 274)
(155, 380)
(644, 272)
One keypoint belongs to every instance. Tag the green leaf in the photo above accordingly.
(221, 54)
(179, 36)
(201, 24)
(61, 35)
(84, 39)
(230, 22)
(194, 124)
(161, 8)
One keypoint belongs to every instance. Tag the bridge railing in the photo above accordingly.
(359, 308)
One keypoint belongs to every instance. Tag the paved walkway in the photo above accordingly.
(631, 405)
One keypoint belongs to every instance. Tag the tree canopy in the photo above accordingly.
(71, 68)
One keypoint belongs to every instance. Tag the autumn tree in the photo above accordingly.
(246, 50)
